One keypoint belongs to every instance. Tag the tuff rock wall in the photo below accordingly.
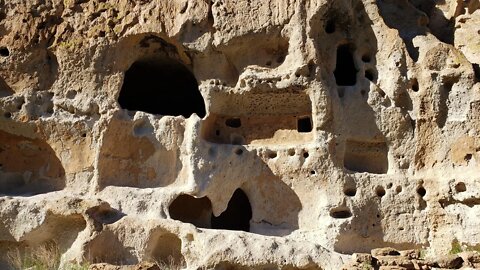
(238, 134)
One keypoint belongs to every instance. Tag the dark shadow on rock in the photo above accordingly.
(409, 21)
(365, 148)
(263, 205)
(439, 25)
(237, 216)
(476, 69)
(104, 214)
(5, 90)
(275, 205)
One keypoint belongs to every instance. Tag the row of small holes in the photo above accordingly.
(291, 152)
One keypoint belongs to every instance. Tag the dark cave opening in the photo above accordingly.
(237, 215)
(345, 71)
(304, 124)
(161, 86)
(4, 51)
(188, 209)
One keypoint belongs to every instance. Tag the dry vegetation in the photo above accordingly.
(43, 257)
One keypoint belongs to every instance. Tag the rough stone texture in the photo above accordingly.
(383, 258)
(323, 128)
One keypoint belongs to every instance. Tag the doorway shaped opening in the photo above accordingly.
(161, 85)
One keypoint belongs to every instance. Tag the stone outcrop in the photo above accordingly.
(240, 134)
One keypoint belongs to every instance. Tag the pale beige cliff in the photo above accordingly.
(240, 134)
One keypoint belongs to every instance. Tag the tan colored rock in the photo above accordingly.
(241, 134)
(466, 36)
(388, 251)
(450, 262)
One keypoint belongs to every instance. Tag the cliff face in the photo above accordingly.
(273, 134)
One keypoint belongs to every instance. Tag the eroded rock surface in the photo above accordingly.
(219, 134)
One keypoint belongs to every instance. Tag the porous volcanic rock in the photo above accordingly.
(239, 134)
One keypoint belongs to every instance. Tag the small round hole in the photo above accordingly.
(421, 191)
(7, 115)
(4, 51)
(401, 228)
(460, 187)
(84, 135)
(350, 191)
(398, 189)
(380, 191)
(233, 122)
(366, 58)
(217, 132)
(305, 154)
(363, 92)
(312, 172)
(291, 152)
(468, 157)
(389, 185)
(271, 154)
(238, 151)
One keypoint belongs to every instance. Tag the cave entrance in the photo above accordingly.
(161, 86)
(345, 71)
(237, 215)
(304, 124)
(189, 209)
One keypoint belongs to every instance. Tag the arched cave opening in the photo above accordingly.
(237, 215)
(345, 71)
(161, 86)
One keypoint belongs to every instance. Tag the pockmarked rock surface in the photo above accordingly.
(242, 134)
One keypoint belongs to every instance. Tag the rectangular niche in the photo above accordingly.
(368, 157)
(260, 119)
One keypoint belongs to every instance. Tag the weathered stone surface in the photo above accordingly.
(388, 251)
(450, 262)
(240, 134)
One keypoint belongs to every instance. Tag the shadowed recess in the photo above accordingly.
(161, 86)
(366, 157)
(5, 90)
(165, 248)
(304, 124)
(237, 215)
(409, 21)
(345, 71)
(188, 209)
